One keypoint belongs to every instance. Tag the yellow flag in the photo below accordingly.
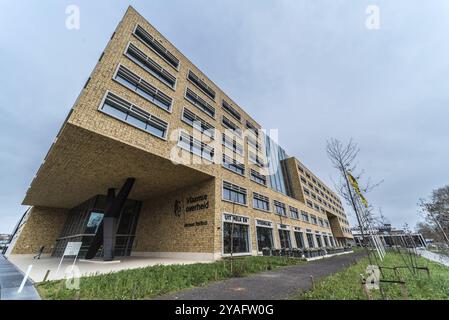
(355, 185)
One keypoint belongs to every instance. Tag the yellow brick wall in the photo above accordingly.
(42, 228)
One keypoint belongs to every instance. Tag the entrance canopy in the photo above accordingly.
(82, 163)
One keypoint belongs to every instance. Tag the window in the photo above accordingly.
(238, 235)
(200, 103)
(309, 204)
(157, 47)
(303, 180)
(279, 208)
(284, 237)
(198, 123)
(321, 222)
(294, 213)
(201, 85)
(136, 55)
(258, 178)
(326, 243)
(299, 239)
(304, 216)
(306, 192)
(313, 219)
(254, 158)
(252, 127)
(310, 241)
(231, 125)
(234, 193)
(232, 144)
(261, 202)
(123, 110)
(227, 107)
(143, 88)
(264, 235)
(318, 240)
(233, 165)
(189, 143)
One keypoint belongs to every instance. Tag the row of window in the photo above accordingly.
(236, 194)
(237, 236)
(123, 110)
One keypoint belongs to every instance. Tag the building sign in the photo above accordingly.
(195, 224)
(193, 204)
(197, 203)
(264, 223)
(236, 219)
(72, 248)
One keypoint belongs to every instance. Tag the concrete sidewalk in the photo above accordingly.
(277, 285)
(10, 280)
(88, 268)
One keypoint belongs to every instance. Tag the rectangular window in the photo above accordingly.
(227, 107)
(231, 126)
(254, 158)
(310, 241)
(318, 240)
(258, 178)
(198, 123)
(123, 110)
(233, 165)
(195, 146)
(294, 213)
(156, 46)
(279, 208)
(321, 222)
(252, 127)
(201, 85)
(234, 193)
(200, 103)
(264, 238)
(304, 216)
(309, 204)
(313, 219)
(132, 81)
(136, 55)
(326, 243)
(284, 237)
(235, 236)
(232, 144)
(299, 240)
(261, 202)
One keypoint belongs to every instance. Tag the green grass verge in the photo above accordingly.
(156, 280)
(346, 285)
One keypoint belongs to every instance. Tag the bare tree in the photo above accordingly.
(343, 158)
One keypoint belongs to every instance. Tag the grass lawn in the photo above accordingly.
(156, 280)
(347, 284)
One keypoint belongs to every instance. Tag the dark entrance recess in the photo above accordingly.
(106, 225)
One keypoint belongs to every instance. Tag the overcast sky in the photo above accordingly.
(310, 68)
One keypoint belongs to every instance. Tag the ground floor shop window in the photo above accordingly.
(235, 236)
(299, 240)
(284, 237)
(264, 238)
(310, 241)
(318, 240)
(326, 243)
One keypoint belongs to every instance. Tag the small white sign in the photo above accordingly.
(72, 248)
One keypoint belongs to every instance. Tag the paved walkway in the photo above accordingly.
(441, 258)
(278, 284)
(10, 280)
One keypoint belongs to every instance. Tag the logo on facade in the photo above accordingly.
(178, 208)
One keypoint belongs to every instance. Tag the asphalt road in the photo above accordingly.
(270, 285)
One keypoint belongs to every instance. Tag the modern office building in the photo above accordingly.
(155, 160)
